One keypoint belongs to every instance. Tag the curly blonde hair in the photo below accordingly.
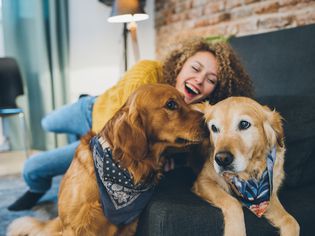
(232, 78)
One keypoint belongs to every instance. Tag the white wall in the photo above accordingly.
(96, 46)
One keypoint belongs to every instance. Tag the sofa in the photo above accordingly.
(282, 66)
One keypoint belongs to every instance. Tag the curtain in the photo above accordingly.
(36, 34)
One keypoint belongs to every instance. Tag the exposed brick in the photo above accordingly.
(182, 6)
(176, 20)
(195, 13)
(247, 26)
(159, 22)
(297, 7)
(189, 24)
(265, 7)
(197, 3)
(287, 2)
(177, 17)
(275, 21)
(233, 3)
(212, 19)
(249, 1)
(241, 12)
(231, 29)
(158, 5)
(306, 17)
(201, 23)
(213, 7)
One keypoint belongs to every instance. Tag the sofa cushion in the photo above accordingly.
(175, 211)
(299, 128)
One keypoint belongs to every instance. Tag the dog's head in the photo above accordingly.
(242, 132)
(154, 118)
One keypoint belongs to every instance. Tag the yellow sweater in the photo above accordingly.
(107, 104)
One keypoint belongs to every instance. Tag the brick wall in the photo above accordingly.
(178, 19)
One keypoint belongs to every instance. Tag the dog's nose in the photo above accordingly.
(224, 158)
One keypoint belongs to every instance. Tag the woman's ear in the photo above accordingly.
(273, 127)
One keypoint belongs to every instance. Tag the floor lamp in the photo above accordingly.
(128, 12)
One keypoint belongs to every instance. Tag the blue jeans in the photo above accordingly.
(70, 119)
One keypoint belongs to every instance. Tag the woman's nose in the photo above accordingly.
(199, 79)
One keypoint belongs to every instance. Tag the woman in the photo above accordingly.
(197, 68)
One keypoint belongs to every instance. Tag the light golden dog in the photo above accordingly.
(154, 118)
(242, 134)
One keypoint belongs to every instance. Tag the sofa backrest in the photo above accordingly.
(282, 66)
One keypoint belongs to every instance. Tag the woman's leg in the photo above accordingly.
(74, 118)
(38, 173)
(41, 168)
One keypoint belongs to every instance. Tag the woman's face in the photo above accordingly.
(198, 77)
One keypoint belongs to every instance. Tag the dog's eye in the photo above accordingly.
(243, 125)
(214, 129)
(171, 105)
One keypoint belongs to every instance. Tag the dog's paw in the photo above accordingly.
(290, 228)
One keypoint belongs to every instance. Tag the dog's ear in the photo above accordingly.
(201, 107)
(273, 127)
(126, 135)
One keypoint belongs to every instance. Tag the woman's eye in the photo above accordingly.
(243, 125)
(171, 105)
(210, 81)
(195, 68)
(214, 129)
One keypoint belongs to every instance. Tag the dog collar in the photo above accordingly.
(122, 200)
(254, 194)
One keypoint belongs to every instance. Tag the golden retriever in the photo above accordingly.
(154, 118)
(242, 134)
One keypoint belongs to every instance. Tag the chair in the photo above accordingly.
(11, 86)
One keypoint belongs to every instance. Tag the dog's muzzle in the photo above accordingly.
(224, 159)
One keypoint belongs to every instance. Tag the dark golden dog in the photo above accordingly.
(154, 118)
(242, 134)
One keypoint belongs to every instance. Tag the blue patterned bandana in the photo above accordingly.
(122, 201)
(254, 194)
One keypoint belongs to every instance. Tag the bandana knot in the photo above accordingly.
(122, 201)
(254, 194)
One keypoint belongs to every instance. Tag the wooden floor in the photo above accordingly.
(12, 162)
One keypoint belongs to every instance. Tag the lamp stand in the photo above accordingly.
(132, 29)
(125, 36)
(132, 26)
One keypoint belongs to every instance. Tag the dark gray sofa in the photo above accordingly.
(282, 65)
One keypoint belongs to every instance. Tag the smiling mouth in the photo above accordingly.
(191, 90)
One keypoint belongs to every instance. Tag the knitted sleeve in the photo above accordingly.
(144, 72)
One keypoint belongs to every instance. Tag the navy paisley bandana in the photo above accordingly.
(254, 194)
(122, 201)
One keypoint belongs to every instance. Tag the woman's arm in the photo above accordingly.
(110, 101)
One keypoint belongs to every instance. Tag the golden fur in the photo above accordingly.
(153, 119)
(249, 148)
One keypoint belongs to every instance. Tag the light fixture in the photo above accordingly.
(128, 11)
(124, 11)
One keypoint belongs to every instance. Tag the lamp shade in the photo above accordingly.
(127, 11)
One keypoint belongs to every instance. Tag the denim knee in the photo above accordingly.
(74, 118)
(41, 168)
(45, 124)
(32, 177)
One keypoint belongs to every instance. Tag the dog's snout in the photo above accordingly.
(224, 159)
